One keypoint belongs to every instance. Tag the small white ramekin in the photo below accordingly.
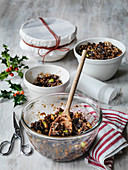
(31, 74)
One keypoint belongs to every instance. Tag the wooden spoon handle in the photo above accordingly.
(76, 79)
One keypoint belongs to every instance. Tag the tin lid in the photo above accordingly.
(34, 32)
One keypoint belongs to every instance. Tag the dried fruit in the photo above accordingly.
(100, 51)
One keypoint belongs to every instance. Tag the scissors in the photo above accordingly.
(25, 149)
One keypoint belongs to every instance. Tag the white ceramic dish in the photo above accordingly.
(32, 53)
(35, 37)
(101, 69)
(31, 74)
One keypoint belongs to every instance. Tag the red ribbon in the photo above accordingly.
(56, 47)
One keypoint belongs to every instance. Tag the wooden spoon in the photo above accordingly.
(64, 118)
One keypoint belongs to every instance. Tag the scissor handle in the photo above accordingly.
(26, 149)
(10, 143)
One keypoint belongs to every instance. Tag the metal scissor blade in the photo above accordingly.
(16, 127)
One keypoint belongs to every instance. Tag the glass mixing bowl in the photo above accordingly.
(61, 148)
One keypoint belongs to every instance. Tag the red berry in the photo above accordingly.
(11, 74)
(7, 70)
(17, 92)
(22, 92)
(10, 68)
(16, 69)
(14, 94)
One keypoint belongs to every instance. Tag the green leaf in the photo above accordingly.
(5, 46)
(26, 67)
(16, 87)
(20, 74)
(23, 58)
(21, 65)
(4, 61)
(6, 94)
(16, 58)
(3, 75)
(14, 62)
(19, 99)
(6, 56)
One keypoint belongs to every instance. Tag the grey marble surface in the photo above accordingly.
(93, 18)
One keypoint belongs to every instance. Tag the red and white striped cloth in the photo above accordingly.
(109, 140)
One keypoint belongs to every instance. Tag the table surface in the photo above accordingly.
(94, 18)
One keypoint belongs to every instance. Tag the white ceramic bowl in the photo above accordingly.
(55, 55)
(31, 74)
(101, 69)
(35, 33)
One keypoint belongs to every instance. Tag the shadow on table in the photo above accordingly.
(123, 70)
(69, 57)
(120, 79)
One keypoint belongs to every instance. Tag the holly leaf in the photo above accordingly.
(4, 61)
(6, 47)
(5, 56)
(6, 94)
(26, 67)
(17, 60)
(15, 63)
(3, 75)
(23, 58)
(19, 99)
(15, 87)
(21, 65)
(20, 74)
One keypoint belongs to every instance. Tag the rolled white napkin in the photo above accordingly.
(94, 88)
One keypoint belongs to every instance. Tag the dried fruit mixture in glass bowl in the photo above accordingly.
(79, 124)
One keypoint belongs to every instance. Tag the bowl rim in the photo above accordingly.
(61, 138)
(98, 38)
(46, 88)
